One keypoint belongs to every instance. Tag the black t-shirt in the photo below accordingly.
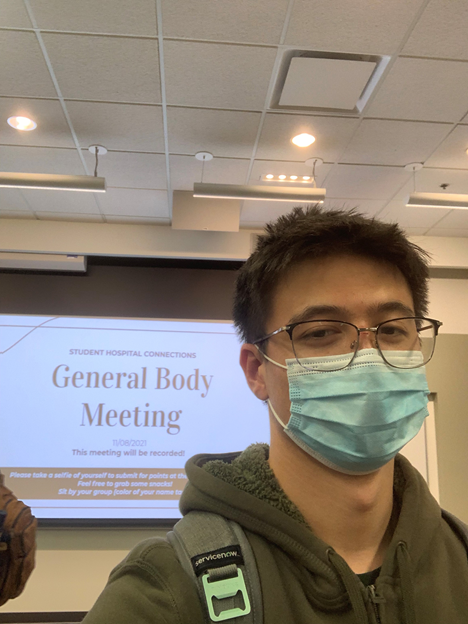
(369, 578)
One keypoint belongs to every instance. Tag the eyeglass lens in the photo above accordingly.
(414, 337)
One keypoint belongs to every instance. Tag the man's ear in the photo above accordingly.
(253, 365)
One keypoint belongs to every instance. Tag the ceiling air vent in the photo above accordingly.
(327, 82)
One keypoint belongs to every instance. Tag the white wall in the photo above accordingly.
(448, 302)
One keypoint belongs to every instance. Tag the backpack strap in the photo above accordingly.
(457, 526)
(216, 554)
(4, 537)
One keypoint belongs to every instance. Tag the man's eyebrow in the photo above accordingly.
(319, 311)
(333, 312)
(392, 306)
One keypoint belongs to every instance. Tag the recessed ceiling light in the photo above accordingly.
(22, 123)
(288, 179)
(303, 140)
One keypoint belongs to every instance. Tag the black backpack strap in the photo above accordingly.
(215, 552)
(457, 526)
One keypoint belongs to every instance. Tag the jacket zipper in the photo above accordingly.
(375, 600)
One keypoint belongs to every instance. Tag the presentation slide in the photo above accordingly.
(99, 415)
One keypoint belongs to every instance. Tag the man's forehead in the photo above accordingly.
(336, 286)
(332, 312)
(343, 266)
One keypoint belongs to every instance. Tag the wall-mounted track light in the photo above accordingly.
(438, 200)
(55, 182)
(268, 193)
(91, 184)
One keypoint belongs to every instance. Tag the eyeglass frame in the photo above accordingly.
(290, 328)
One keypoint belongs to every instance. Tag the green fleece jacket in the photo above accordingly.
(423, 579)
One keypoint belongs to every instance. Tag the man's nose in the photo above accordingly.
(367, 340)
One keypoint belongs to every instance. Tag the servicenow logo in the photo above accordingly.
(217, 558)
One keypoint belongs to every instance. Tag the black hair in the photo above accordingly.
(313, 232)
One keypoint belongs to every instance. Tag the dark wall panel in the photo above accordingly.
(133, 291)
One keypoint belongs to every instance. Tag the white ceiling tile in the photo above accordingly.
(383, 142)
(14, 15)
(52, 128)
(122, 17)
(367, 207)
(134, 203)
(137, 220)
(397, 212)
(440, 31)
(429, 181)
(457, 233)
(130, 170)
(360, 182)
(454, 219)
(115, 69)
(40, 160)
(331, 133)
(264, 167)
(118, 126)
(16, 214)
(407, 188)
(255, 22)
(25, 74)
(223, 133)
(343, 26)
(60, 201)
(186, 170)
(423, 89)
(452, 152)
(13, 200)
(69, 216)
(410, 231)
(215, 75)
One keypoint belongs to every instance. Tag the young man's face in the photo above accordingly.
(353, 283)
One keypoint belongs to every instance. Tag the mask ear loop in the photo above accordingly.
(276, 415)
(273, 411)
(269, 359)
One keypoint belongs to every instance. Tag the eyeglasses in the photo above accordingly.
(413, 335)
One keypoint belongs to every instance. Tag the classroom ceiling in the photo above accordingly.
(156, 81)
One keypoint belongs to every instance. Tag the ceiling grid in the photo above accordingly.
(156, 81)
(60, 97)
(269, 93)
(385, 73)
(162, 75)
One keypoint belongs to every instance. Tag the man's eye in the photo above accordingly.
(318, 333)
(393, 330)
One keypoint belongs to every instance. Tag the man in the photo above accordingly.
(332, 309)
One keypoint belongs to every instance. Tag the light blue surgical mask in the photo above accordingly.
(355, 420)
